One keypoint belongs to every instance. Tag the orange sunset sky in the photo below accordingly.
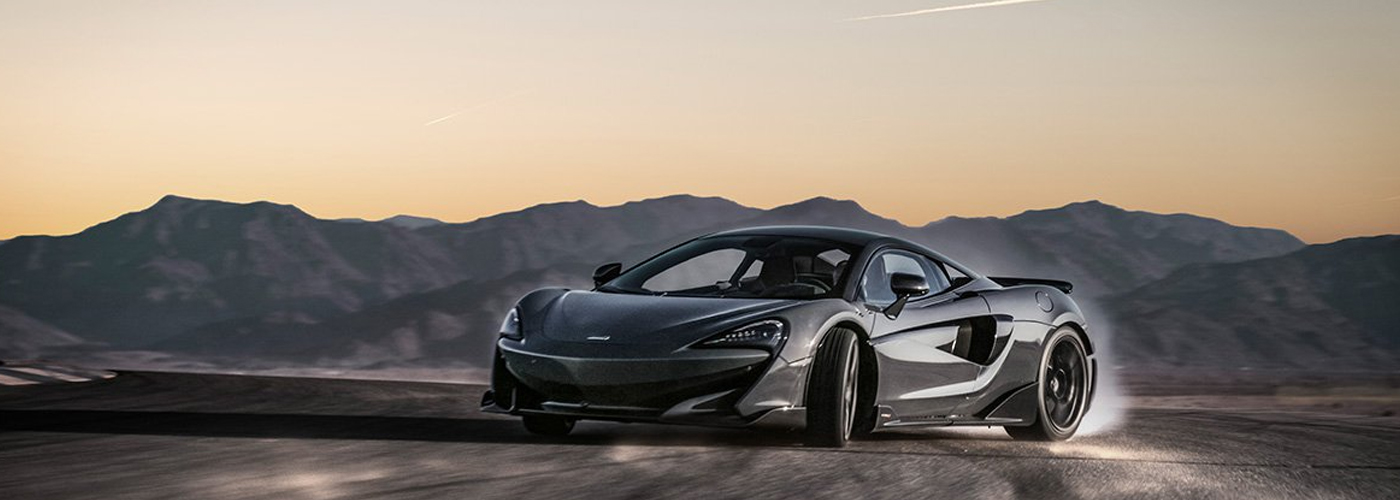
(1275, 113)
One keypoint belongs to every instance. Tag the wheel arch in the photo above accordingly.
(868, 373)
(1083, 335)
(1079, 331)
(869, 362)
(869, 365)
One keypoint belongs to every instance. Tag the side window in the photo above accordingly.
(938, 275)
(875, 285)
(955, 277)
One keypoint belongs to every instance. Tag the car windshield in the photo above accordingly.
(742, 267)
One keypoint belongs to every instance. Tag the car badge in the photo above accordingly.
(600, 338)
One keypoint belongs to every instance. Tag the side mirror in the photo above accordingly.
(606, 273)
(908, 285)
(904, 285)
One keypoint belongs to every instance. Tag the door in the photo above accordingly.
(921, 373)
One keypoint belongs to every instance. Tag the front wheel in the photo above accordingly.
(548, 425)
(1063, 388)
(832, 399)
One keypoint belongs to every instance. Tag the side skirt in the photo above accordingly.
(1017, 407)
(1021, 404)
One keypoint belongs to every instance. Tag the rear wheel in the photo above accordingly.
(832, 390)
(548, 425)
(1063, 390)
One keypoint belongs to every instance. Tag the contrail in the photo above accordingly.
(480, 105)
(443, 119)
(997, 3)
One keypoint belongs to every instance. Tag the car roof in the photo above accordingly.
(837, 234)
(863, 239)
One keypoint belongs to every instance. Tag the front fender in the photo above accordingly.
(784, 384)
(534, 304)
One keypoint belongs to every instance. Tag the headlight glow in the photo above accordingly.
(767, 333)
(510, 327)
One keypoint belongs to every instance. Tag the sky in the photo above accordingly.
(1275, 113)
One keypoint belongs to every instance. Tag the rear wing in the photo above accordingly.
(1064, 286)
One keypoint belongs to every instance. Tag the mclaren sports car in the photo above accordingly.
(833, 332)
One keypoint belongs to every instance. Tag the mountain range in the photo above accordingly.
(268, 283)
(1325, 307)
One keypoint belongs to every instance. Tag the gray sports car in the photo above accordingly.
(834, 331)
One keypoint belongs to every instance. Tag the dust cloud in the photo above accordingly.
(1108, 409)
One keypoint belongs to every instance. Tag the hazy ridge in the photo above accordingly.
(1325, 307)
(268, 284)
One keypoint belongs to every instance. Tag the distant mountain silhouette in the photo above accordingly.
(1102, 248)
(184, 263)
(22, 336)
(1327, 307)
(454, 324)
(545, 235)
(268, 280)
(825, 211)
(403, 221)
(411, 221)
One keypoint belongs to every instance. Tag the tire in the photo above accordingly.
(548, 425)
(832, 397)
(1063, 389)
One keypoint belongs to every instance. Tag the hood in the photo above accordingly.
(649, 319)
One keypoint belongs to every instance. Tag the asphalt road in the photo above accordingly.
(160, 435)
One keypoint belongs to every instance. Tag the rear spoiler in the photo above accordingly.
(1064, 286)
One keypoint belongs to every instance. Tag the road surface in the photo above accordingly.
(166, 435)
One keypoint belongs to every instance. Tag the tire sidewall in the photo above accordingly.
(1062, 334)
(827, 414)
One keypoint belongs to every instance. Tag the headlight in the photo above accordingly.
(767, 334)
(510, 327)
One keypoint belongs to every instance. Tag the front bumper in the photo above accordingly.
(690, 386)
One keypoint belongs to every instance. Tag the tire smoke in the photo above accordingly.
(1109, 407)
